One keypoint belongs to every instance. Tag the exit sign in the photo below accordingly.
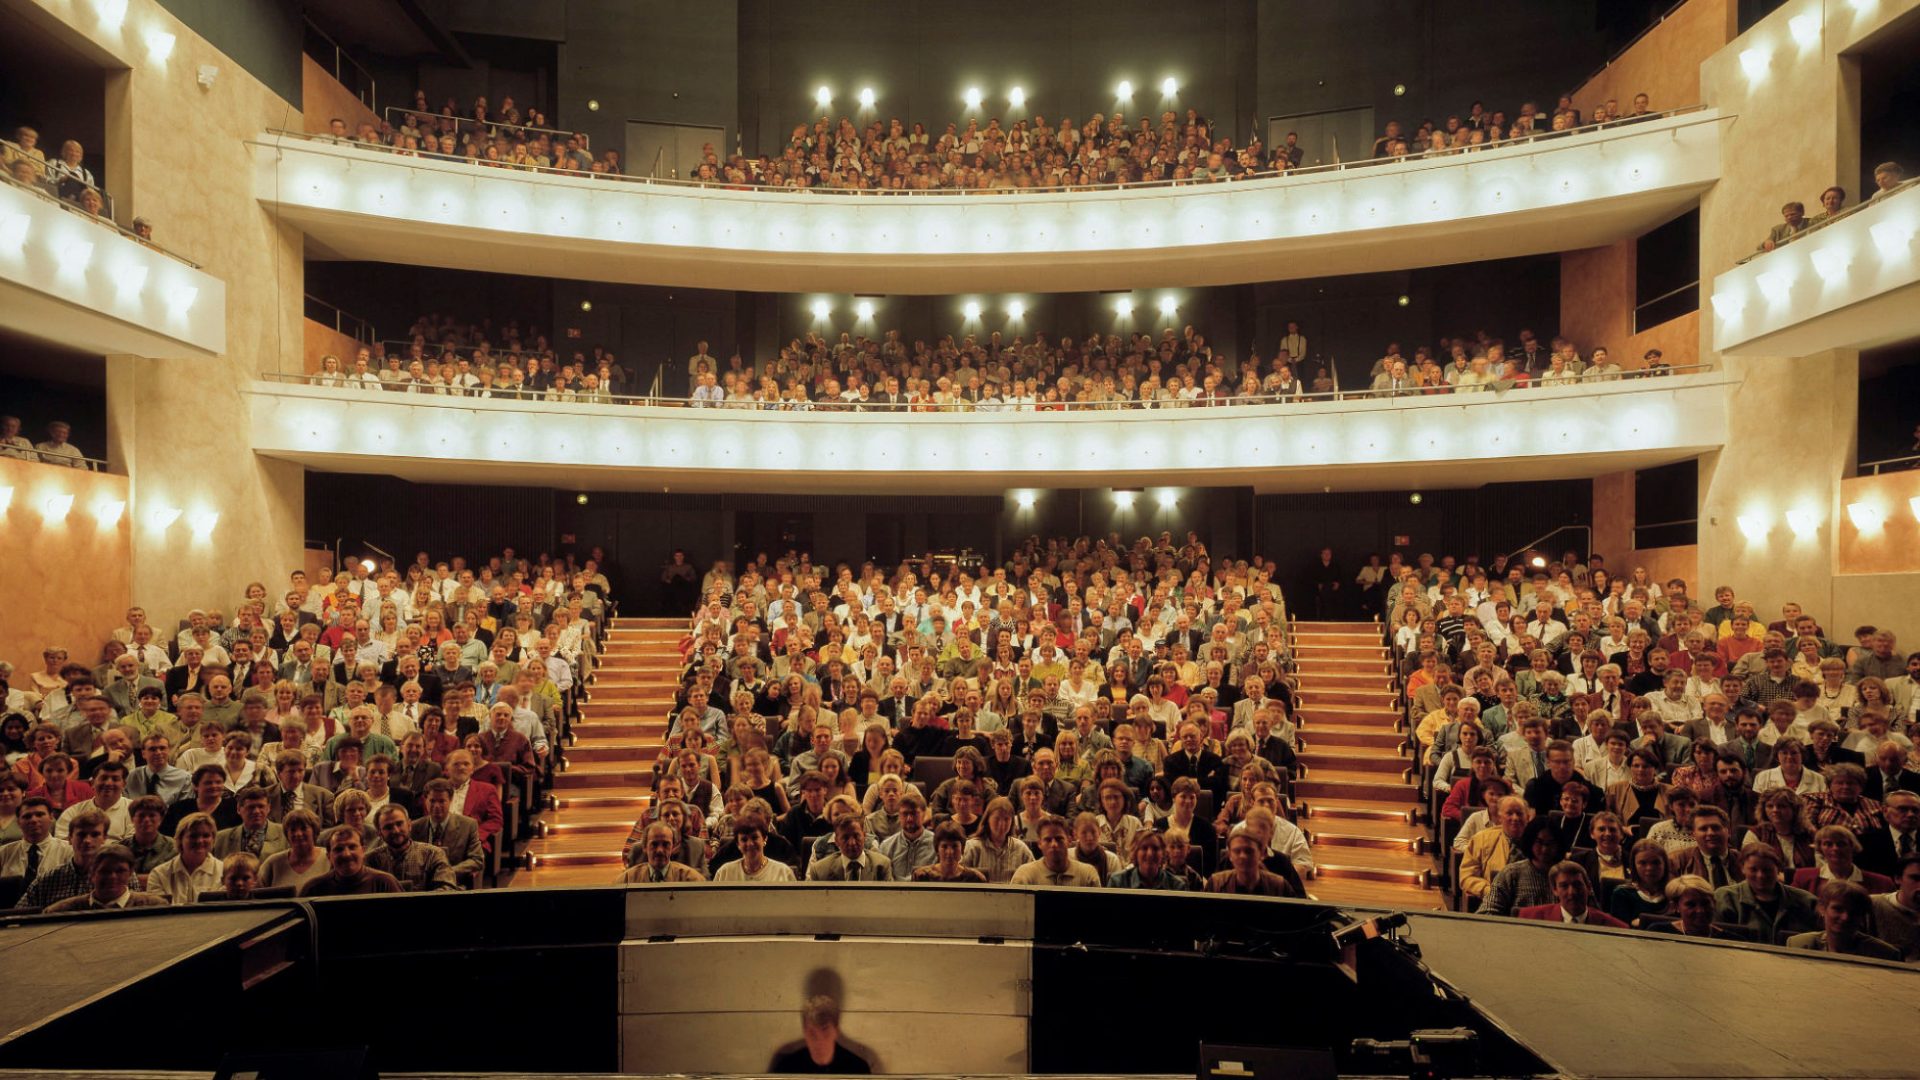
(1402, 541)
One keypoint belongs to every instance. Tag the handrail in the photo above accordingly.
(1845, 213)
(363, 331)
(492, 126)
(89, 464)
(1536, 542)
(98, 219)
(372, 97)
(1910, 461)
(1333, 171)
(439, 397)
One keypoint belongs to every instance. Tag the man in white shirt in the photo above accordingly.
(1546, 629)
(109, 783)
(38, 850)
(750, 836)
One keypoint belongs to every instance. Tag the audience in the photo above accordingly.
(1888, 178)
(53, 450)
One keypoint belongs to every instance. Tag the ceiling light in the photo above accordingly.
(864, 309)
(1016, 309)
(159, 45)
(1169, 86)
(1866, 516)
(56, 507)
(1802, 521)
(821, 309)
(973, 97)
(1754, 526)
(1017, 97)
(1124, 305)
(1754, 63)
(971, 310)
(1168, 305)
(866, 97)
(1124, 90)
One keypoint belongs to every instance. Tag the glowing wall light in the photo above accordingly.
(1124, 90)
(866, 97)
(1892, 237)
(1802, 521)
(1124, 306)
(6, 498)
(161, 518)
(1017, 97)
(864, 309)
(1123, 499)
(1913, 504)
(821, 309)
(74, 258)
(1805, 29)
(1169, 86)
(1754, 527)
(1754, 62)
(1831, 262)
(823, 97)
(1168, 305)
(1728, 306)
(130, 280)
(159, 45)
(973, 97)
(1016, 309)
(112, 12)
(1169, 499)
(1024, 500)
(203, 521)
(56, 508)
(180, 299)
(13, 231)
(1865, 516)
(109, 511)
(971, 310)
(1775, 285)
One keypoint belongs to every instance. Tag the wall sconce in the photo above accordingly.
(866, 97)
(1913, 504)
(1830, 262)
(864, 309)
(1124, 306)
(1124, 90)
(159, 45)
(1802, 521)
(56, 508)
(821, 309)
(971, 310)
(1169, 500)
(1892, 237)
(108, 511)
(1123, 499)
(1754, 526)
(112, 12)
(203, 522)
(6, 498)
(1728, 306)
(1805, 29)
(1016, 309)
(1168, 306)
(1754, 62)
(1865, 516)
(163, 517)
(13, 231)
(973, 97)
(1024, 500)
(1017, 97)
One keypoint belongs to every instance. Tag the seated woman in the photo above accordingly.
(1690, 902)
(1783, 826)
(949, 843)
(968, 766)
(1837, 846)
(1846, 913)
(1644, 892)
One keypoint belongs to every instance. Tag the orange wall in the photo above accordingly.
(323, 98)
(1664, 564)
(1596, 308)
(322, 340)
(67, 582)
(1665, 63)
(1894, 547)
(1613, 523)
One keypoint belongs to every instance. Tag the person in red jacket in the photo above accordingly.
(476, 799)
(1571, 893)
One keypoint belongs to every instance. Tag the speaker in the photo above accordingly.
(337, 1063)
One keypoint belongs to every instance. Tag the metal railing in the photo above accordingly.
(325, 47)
(488, 127)
(379, 384)
(1540, 142)
(103, 220)
(58, 461)
(1815, 225)
(58, 180)
(343, 322)
(1892, 464)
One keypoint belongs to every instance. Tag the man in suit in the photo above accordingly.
(659, 865)
(897, 706)
(420, 867)
(1195, 760)
(1611, 696)
(851, 859)
(123, 690)
(456, 834)
(257, 834)
(1491, 849)
(1543, 792)
(1889, 772)
(1712, 724)
(1882, 849)
(1711, 855)
(293, 791)
(476, 799)
(503, 745)
(1571, 891)
(1745, 744)
(414, 770)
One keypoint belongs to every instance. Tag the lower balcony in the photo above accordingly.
(1461, 440)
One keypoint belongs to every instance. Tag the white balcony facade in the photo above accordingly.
(1463, 440)
(1853, 284)
(1553, 194)
(81, 283)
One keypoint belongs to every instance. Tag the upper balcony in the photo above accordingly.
(1554, 193)
(81, 281)
(1360, 442)
(1852, 283)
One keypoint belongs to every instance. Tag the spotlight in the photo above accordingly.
(1416, 498)
(1124, 306)
(1168, 305)
(823, 97)
(1169, 86)
(1016, 309)
(821, 309)
(1025, 500)
(56, 507)
(1866, 516)
(1124, 90)
(973, 97)
(586, 305)
(1403, 300)
(971, 310)
(866, 97)
(1017, 97)
(581, 498)
(1538, 562)
(864, 309)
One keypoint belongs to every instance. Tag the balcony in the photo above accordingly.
(1461, 440)
(1557, 193)
(83, 283)
(1850, 284)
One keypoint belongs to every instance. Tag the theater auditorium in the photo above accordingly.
(1225, 539)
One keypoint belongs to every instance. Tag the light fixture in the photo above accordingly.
(821, 309)
(13, 231)
(6, 498)
(108, 512)
(1774, 285)
(1017, 97)
(1866, 516)
(1399, 89)
(971, 309)
(1892, 237)
(1754, 526)
(56, 508)
(1805, 29)
(1802, 521)
(586, 305)
(1024, 500)
(159, 45)
(1754, 62)
(1169, 86)
(1913, 504)
(1124, 90)
(1016, 309)
(581, 498)
(866, 97)
(823, 97)
(593, 104)
(112, 12)
(74, 257)
(1403, 300)
(368, 565)
(1830, 262)
(864, 309)
(1123, 499)
(1416, 498)
(203, 521)
(181, 297)
(973, 97)
(131, 279)
(1728, 306)
(1168, 305)
(1169, 499)
(1124, 306)
(163, 517)
(1538, 562)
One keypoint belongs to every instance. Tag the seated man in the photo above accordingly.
(456, 834)
(348, 874)
(1056, 865)
(257, 834)
(851, 860)
(109, 878)
(1571, 894)
(821, 1051)
(658, 866)
(1249, 875)
(420, 867)
(1846, 912)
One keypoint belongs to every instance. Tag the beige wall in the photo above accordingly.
(322, 98)
(179, 428)
(66, 581)
(1613, 525)
(1665, 63)
(1893, 547)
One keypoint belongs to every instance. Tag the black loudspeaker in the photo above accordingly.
(336, 1063)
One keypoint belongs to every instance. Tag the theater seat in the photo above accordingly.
(11, 889)
(931, 772)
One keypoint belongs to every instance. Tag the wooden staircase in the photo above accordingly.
(1358, 796)
(609, 766)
